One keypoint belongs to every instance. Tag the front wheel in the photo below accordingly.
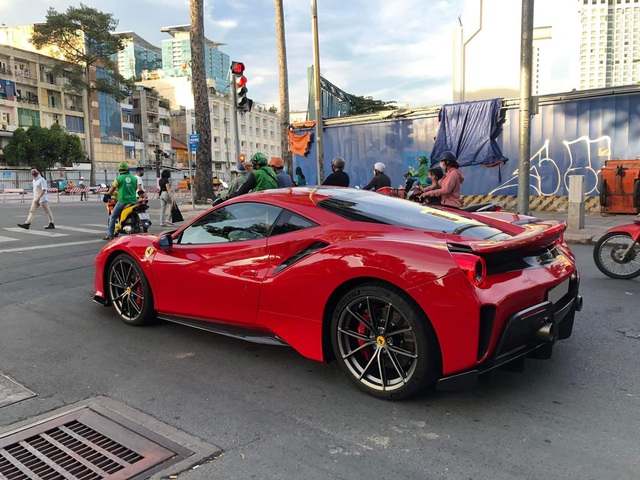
(617, 256)
(129, 291)
(383, 342)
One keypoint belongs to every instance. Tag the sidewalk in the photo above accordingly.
(595, 225)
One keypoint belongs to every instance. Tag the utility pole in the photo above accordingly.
(317, 95)
(526, 57)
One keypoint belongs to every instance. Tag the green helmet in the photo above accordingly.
(259, 159)
(123, 166)
(423, 159)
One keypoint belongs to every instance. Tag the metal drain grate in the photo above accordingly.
(89, 444)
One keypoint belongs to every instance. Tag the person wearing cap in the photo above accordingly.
(244, 169)
(262, 178)
(449, 188)
(338, 177)
(127, 187)
(380, 179)
(282, 178)
(83, 193)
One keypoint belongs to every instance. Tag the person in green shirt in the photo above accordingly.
(262, 178)
(126, 185)
(422, 173)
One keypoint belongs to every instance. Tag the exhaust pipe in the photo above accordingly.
(546, 333)
(578, 303)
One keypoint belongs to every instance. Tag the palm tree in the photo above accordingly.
(284, 86)
(204, 175)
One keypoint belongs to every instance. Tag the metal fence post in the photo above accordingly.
(575, 219)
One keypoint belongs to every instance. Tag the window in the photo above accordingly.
(291, 222)
(75, 124)
(234, 223)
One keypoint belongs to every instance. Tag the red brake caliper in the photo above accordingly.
(363, 331)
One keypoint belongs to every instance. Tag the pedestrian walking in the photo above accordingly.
(127, 187)
(40, 198)
(380, 179)
(83, 193)
(166, 198)
(139, 174)
(339, 177)
(282, 178)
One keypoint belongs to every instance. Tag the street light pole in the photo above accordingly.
(317, 95)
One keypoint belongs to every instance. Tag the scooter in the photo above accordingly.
(133, 218)
(617, 252)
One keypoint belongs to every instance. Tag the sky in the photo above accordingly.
(398, 50)
(390, 50)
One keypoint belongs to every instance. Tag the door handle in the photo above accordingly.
(249, 274)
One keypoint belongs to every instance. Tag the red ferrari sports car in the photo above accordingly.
(403, 296)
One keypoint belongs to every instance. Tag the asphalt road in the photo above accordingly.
(278, 415)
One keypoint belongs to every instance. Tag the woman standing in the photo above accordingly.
(166, 198)
(301, 181)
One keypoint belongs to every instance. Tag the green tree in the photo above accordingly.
(84, 38)
(204, 171)
(363, 105)
(43, 148)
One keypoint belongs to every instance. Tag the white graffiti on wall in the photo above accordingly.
(545, 176)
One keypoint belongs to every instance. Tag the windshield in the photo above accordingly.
(376, 208)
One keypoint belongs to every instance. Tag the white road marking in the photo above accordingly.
(53, 245)
(7, 239)
(78, 229)
(37, 232)
(102, 225)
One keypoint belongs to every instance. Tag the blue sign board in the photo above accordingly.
(193, 147)
(194, 138)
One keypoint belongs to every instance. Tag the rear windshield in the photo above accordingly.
(362, 206)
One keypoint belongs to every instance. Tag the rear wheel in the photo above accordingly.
(383, 342)
(129, 291)
(617, 256)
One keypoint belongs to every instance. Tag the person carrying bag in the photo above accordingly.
(176, 214)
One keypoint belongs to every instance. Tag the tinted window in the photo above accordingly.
(366, 207)
(291, 222)
(233, 223)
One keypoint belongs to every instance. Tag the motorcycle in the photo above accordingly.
(617, 252)
(133, 218)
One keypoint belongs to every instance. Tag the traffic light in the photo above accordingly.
(241, 158)
(243, 104)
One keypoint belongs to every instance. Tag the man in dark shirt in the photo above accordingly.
(339, 177)
(380, 179)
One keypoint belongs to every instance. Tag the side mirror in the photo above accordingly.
(164, 243)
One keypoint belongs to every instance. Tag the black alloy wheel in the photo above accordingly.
(384, 342)
(617, 256)
(129, 291)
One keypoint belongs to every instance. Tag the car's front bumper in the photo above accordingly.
(523, 332)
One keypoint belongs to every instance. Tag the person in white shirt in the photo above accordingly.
(139, 174)
(40, 198)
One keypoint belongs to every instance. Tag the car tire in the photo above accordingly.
(390, 354)
(129, 291)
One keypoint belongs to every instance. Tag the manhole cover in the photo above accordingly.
(90, 443)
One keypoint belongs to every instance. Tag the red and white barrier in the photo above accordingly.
(19, 191)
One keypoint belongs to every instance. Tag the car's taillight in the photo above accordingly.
(473, 266)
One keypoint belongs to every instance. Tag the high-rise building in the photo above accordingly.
(610, 43)
(136, 56)
(176, 57)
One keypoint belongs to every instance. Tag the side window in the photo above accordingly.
(234, 223)
(291, 222)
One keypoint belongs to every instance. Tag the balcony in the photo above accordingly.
(6, 70)
(75, 108)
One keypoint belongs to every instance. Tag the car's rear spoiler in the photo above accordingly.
(534, 237)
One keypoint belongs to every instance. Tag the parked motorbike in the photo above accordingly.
(617, 252)
(133, 218)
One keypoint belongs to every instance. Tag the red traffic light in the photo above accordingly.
(242, 81)
(241, 158)
(237, 68)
